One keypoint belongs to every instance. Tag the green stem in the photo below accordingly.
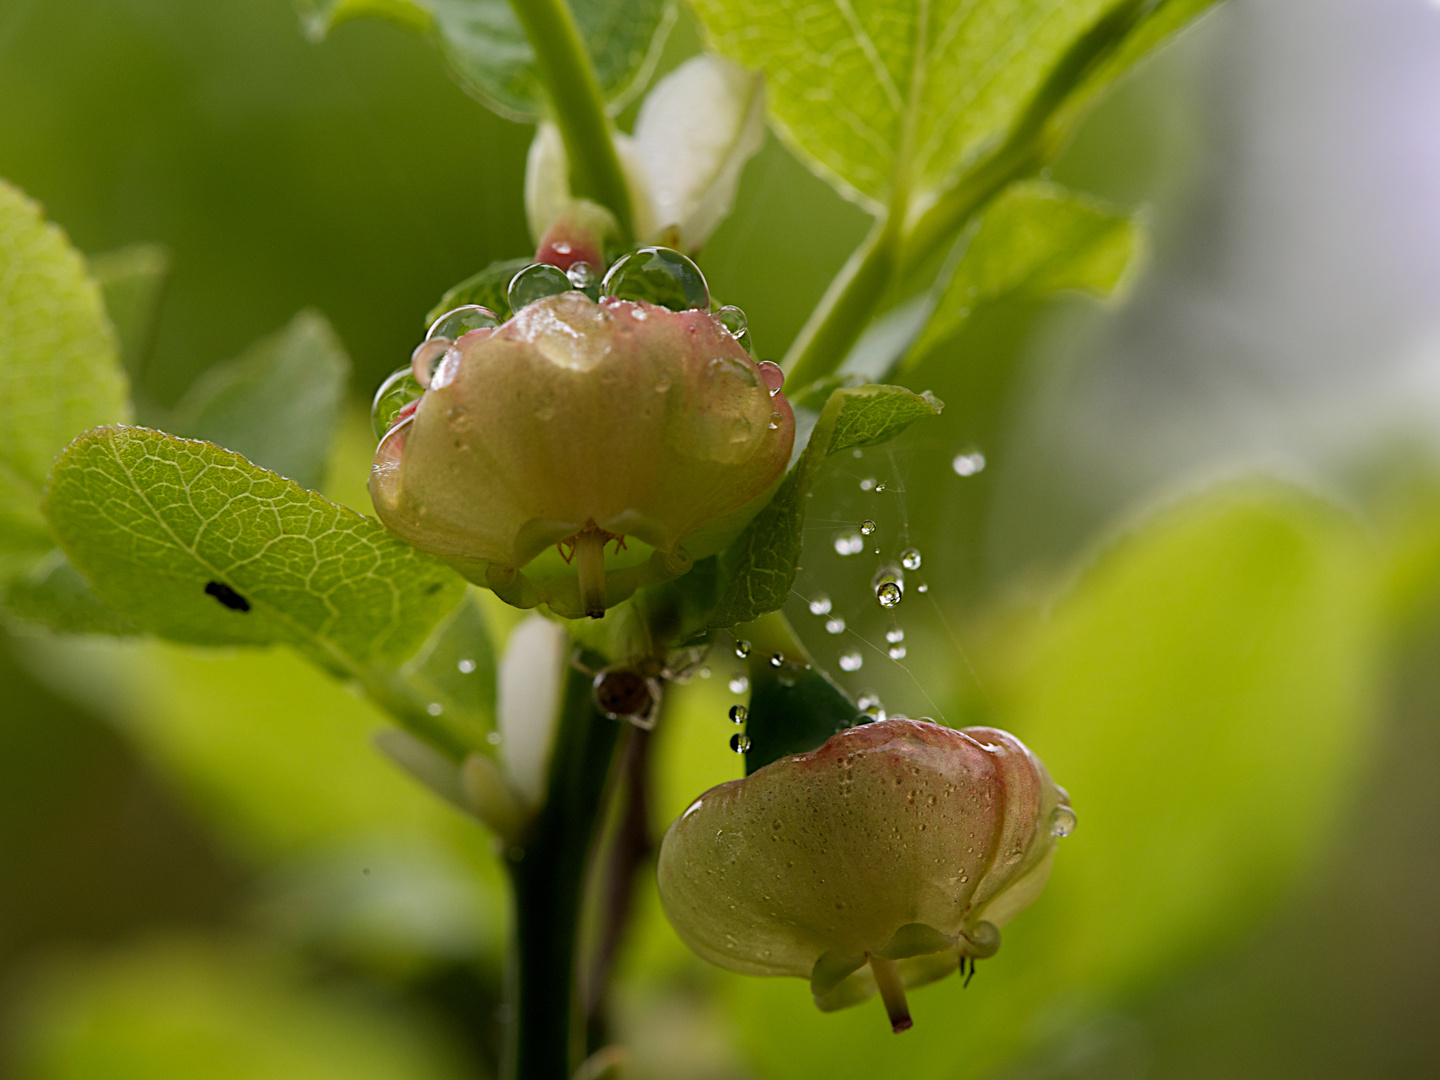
(579, 108)
(545, 1040)
(847, 306)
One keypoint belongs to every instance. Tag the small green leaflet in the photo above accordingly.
(196, 544)
(758, 569)
(488, 288)
(277, 403)
(1035, 238)
(487, 50)
(58, 369)
(132, 281)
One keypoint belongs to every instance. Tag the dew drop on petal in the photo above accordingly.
(660, 276)
(851, 660)
(583, 276)
(835, 625)
(739, 714)
(399, 390)
(535, 282)
(458, 322)
(820, 604)
(740, 742)
(910, 558)
(1062, 821)
(734, 321)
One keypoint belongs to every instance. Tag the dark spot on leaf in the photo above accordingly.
(433, 589)
(227, 596)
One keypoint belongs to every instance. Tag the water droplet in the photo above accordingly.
(897, 652)
(772, 375)
(922, 588)
(820, 604)
(740, 743)
(835, 625)
(426, 358)
(584, 277)
(739, 714)
(968, 463)
(399, 390)
(467, 667)
(742, 648)
(1062, 821)
(660, 276)
(910, 558)
(879, 487)
(733, 319)
(857, 454)
(868, 527)
(494, 738)
(535, 282)
(774, 424)
(458, 322)
(848, 542)
(895, 635)
(704, 673)
(778, 660)
(868, 484)
(889, 585)
(739, 684)
(434, 708)
(851, 660)
(868, 700)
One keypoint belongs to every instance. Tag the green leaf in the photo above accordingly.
(133, 281)
(1203, 692)
(456, 667)
(793, 710)
(758, 569)
(874, 90)
(196, 544)
(1036, 238)
(277, 404)
(58, 369)
(485, 47)
(486, 288)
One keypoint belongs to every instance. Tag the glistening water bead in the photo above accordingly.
(896, 652)
(889, 594)
(910, 558)
(820, 604)
(889, 585)
(895, 635)
(740, 743)
(851, 660)
(739, 714)
(969, 463)
(742, 649)
(660, 276)
(739, 684)
(778, 660)
(1062, 821)
(399, 390)
(849, 542)
(535, 282)
(733, 319)
(835, 625)
(458, 322)
(868, 527)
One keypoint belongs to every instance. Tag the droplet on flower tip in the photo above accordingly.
(773, 375)
(740, 743)
(910, 558)
(848, 542)
(968, 463)
(739, 714)
(535, 282)
(835, 625)
(851, 660)
(458, 322)
(399, 390)
(739, 684)
(659, 276)
(868, 527)
(820, 604)
(777, 660)
(733, 319)
(1062, 821)
(742, 648)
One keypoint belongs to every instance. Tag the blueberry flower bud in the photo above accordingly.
(582, 449)
(885, 859)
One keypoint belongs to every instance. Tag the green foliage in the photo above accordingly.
(133, 282)
(1202, 692)
(58, 369)
(276, 404)
(488, 288)
(758, 569)
(189, 1008)
(487, 50)
(194, 543)
(793, 710)
(1035, 238)
(55, 595)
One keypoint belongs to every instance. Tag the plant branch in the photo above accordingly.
(544, 1040)
(578, 107)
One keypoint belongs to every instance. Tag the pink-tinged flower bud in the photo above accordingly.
(886, 859)
(582, 449)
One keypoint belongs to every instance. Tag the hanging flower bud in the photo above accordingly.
(583, 449)
(886, 859)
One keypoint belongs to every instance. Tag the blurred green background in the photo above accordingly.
(1197, 573)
